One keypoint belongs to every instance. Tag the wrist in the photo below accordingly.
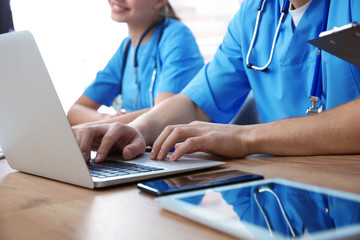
(252, 139)
(142, 129)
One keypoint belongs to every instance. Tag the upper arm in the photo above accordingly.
(105, 87)
(179, 59)
(222, 86)
(162, 96)
(83, 100)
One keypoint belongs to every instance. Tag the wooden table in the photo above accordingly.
(36, 208)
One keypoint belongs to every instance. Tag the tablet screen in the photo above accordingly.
(273, 210)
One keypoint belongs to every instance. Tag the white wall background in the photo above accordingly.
(77, 37)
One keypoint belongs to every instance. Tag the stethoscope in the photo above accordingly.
(268, 189)
(117, 102)
(284, 10)
(316, 89)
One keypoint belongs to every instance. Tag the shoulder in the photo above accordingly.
(245, 17)
(176, 29)
(123, 45)
(177, 36)
(175, 24)
(117, 57)
(343, 12)
(249, 9)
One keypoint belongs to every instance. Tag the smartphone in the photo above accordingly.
(196, 181)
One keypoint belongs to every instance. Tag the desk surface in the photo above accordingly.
(36, 208)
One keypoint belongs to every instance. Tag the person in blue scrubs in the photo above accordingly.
(282, 90)
(156, 36)
(281, 93)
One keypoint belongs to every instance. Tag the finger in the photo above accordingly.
(110, 137)
(178, 134)
(170, 182)
(77, 133)
(159, 141)
(135, 148)
(85, 141)
(182, 182)
(199, 143)
(123, 137)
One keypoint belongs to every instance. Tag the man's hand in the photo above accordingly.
(219, 139)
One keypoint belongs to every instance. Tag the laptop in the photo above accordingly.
(343, 42)
(36, 136)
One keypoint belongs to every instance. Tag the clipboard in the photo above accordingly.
(343, 42)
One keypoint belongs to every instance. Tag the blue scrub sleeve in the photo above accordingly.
(355, 10)
(105, 87)
(221, 87)
(180, 59)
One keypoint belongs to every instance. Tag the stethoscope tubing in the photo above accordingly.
(316, 87)
(163, 22)
(267, 189)
(284, 11)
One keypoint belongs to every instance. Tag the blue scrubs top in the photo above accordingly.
(178, 60)
(221, 87)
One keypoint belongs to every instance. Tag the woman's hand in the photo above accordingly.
(220, 139)
(106, 138)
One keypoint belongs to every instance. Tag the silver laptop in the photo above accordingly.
(36, 136)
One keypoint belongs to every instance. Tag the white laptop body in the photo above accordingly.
(35, 134)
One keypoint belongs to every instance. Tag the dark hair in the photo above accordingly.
(168, 11)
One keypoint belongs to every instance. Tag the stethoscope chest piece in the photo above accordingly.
(117, 103)
(316, 106)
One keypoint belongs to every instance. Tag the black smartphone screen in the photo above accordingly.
(196, 181)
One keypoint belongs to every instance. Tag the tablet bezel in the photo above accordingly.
(198, 214)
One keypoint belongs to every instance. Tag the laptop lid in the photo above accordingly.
(343, 42)
(35, 133)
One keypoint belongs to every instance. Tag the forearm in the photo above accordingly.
(125, 118)
(175, 110)
(81, 114)
(335, 131)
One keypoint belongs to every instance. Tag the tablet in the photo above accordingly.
(343, 42)
(271, 209)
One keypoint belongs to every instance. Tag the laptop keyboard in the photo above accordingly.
(115, 168)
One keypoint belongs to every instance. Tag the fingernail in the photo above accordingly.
(172, 158)
(129, 153)
(160, 155)
(98, 157)
(85, 156)
(152, 154)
